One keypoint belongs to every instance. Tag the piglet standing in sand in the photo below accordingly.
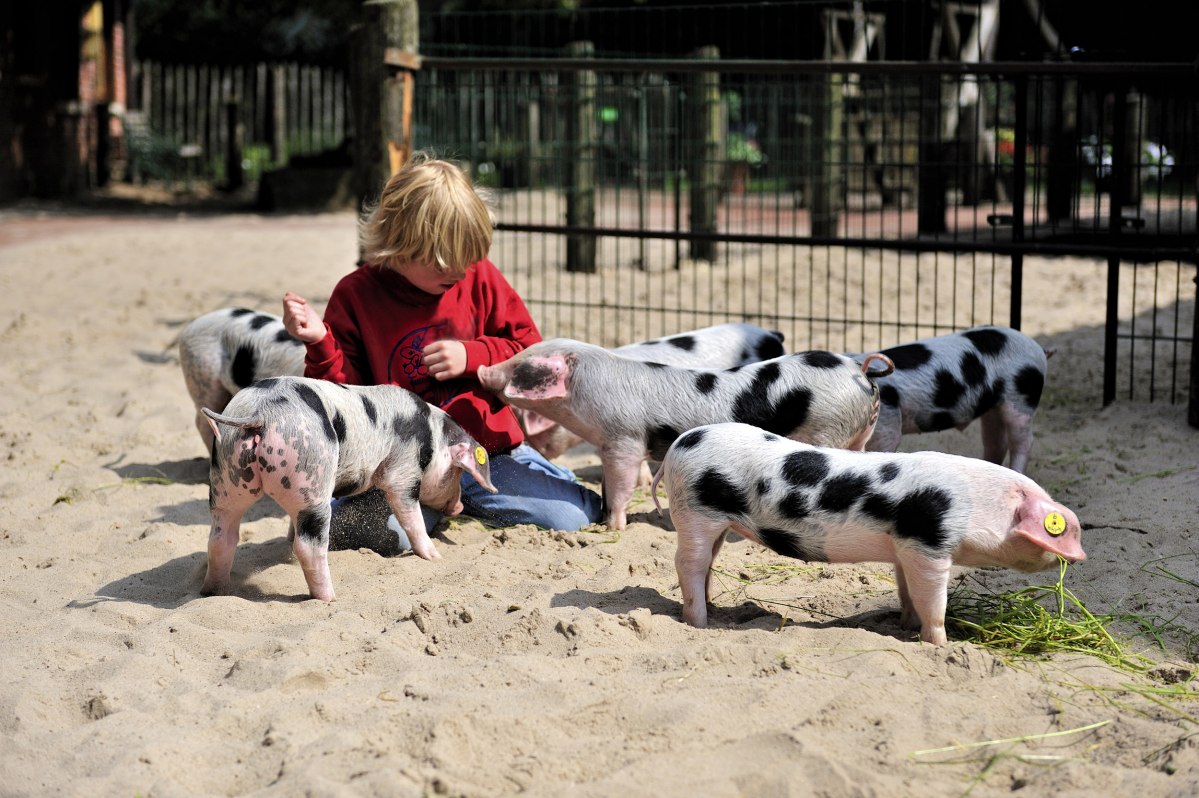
(924, 511)
(629, 409)
(303, 442)
(720, 346)
(993, 374)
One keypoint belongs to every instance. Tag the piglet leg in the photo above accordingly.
(995, 439)
(927, 584)
(229, 503)
(408, 513)
(311, 547)
(622, 464)
(693, 561)
(1019, 437)
(222, 545)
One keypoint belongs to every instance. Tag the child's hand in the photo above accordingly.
(301, 320)
(445, 360)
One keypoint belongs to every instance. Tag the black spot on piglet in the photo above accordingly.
(822, 360)
(369, 407)
(705, 382)
(716, 491)
(842, 491)
(988, 341)
(658, 440)
(243, 367)
(805, 467)
(684, 342)
(311, 399)
(785, 543)
(909, 356)
(921, 515)
(949, 390)
(1030, 382)
(284, 337)
(771, 346)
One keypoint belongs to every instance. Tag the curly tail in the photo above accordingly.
(241, 423)
(653, 487)
(888, 366)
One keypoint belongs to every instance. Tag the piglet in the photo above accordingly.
(303, 442)
(994, 374)
(630, 409)
(229, 349)
(923, 511)
(720, 346)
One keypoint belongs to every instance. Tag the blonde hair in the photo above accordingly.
(429, 213)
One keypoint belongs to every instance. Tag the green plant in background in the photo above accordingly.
(153, 157)
(742, 149)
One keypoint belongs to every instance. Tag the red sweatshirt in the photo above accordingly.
(378, 323)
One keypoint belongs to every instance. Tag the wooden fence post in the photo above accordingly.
(827, 144)
(384, 56)
(704, 158)
(278, 115)
(930, 174)
(580, 154)
(235, 133)
(1062, 166)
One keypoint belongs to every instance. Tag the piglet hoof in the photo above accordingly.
(934, 635)
(616, 521)
(428, 552)
(909, 620)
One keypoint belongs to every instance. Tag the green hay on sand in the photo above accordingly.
(1038, 621)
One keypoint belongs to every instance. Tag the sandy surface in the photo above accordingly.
(523, 661)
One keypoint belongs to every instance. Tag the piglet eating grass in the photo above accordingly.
(924, 511)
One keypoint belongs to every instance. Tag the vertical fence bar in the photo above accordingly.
(1019, 179)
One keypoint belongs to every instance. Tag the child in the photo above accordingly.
(424, 312)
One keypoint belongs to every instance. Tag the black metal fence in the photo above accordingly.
(639, 197)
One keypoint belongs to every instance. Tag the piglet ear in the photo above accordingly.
(533, 422)
(473, 458)
(1052, 527)
(539, 378)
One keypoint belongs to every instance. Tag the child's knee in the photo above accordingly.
(567, 517)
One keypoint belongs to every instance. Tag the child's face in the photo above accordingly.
(428, 279)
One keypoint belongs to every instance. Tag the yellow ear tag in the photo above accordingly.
(481, 457)
(1055, 524)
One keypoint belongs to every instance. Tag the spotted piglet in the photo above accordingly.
(303, 442)
(923, 511)
(721, 346)
(630, 409)
(994, 374)
(226, 350)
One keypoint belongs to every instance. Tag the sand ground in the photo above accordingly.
(523, 661)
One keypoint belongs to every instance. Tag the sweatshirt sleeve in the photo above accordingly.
(507, 327)
(337, 356)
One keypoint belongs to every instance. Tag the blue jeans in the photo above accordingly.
(532, 490)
